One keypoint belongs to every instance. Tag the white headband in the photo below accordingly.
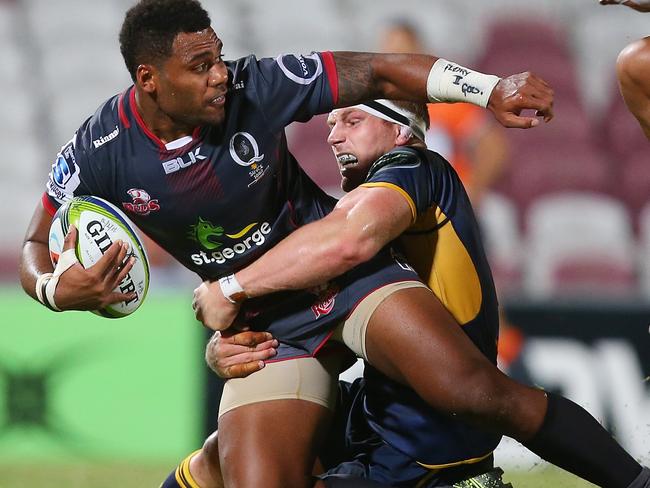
(387, 110)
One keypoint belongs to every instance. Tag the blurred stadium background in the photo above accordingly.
(87, 402)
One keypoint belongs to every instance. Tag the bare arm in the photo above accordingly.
(35, 259)
(363, 222)
(633, 71)
(368, 76)
(638, 5)
(78, 288)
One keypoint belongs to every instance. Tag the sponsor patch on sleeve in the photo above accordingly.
(301, 69)
(64, 177)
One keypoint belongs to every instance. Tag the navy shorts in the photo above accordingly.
(354, 450)
(303, 321)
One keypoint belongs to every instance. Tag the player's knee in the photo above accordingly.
(210, 449)
(482, 395)
(500, 404)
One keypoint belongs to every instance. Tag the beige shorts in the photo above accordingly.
(313, 379)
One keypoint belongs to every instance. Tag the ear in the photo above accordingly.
(145, 77)
(404, 136)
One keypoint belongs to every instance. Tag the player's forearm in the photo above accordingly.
(310, 256)
(415, 77)
(367, 76)
(34, 261)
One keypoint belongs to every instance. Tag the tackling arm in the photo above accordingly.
(633, 71)
(363, 222)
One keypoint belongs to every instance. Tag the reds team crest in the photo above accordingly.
(326, 300)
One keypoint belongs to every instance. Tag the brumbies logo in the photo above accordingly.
(245, 152)
(142, 203)
(300, 69)
(324, 304)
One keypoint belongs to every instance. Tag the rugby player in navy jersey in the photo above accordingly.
(398, 188)
(203, 139)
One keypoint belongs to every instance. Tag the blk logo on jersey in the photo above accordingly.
(325, 302)
(183, 162)
(245, 152)
(300, 69)
(142, 203)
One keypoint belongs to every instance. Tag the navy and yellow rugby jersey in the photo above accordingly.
(218, 199)
(443, 245)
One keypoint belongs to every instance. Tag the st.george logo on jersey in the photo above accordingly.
(99, 224)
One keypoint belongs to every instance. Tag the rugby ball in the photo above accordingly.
(99, 224)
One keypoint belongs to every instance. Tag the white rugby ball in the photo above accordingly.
(99, 224)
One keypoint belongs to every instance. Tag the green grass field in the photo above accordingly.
(84, 476)
(145, 476)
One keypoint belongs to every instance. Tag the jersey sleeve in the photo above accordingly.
(69, 176)
(293, 87)
(405, 172)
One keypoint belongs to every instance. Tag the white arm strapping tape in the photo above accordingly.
(47, 282)
(231, 289)
(450, 82)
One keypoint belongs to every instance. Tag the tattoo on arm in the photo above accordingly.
(356, 80)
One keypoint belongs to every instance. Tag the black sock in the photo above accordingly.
(573, 440)
(643, 480)
(171, 482)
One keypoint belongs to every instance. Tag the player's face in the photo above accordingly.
(358, 139)
(192, 83)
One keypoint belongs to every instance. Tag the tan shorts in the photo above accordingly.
(311, 379)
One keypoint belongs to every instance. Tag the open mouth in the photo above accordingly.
(346, 159)
(217, 101)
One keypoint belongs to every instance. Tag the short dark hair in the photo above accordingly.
(419, 109)
(150, 27)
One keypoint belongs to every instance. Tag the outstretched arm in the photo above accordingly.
(638, 5)
(363, 222)
(633, 72)
(368, 76)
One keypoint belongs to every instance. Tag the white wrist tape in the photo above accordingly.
(451, 82)
(231, 289)
(47, 282)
